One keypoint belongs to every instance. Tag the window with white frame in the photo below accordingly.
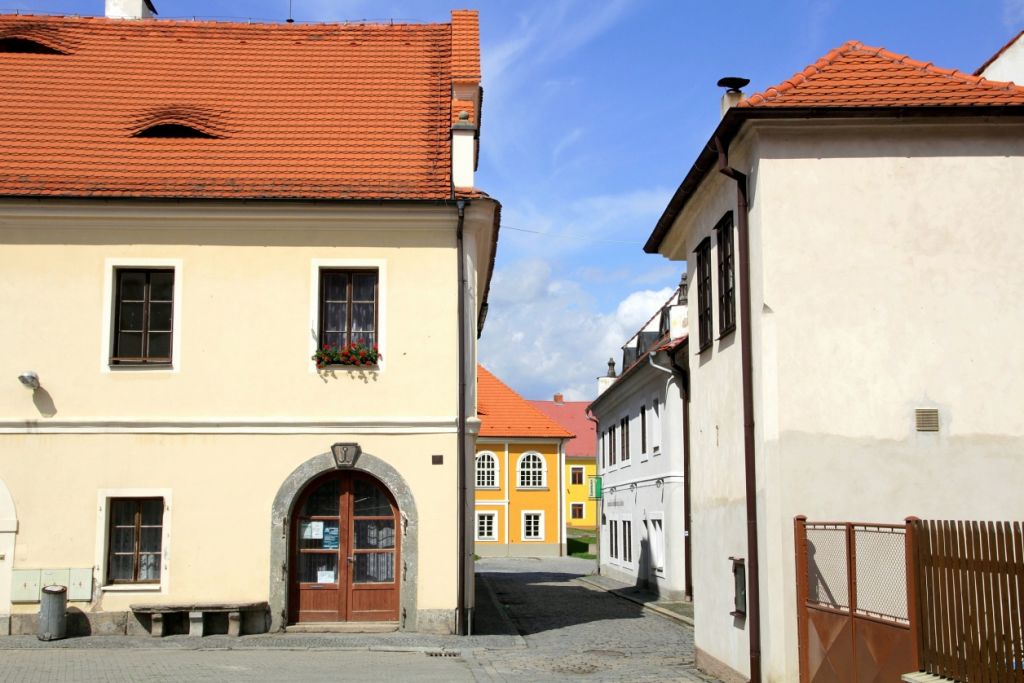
(576, 475)
(135, 535)
(613, 539)
(486, 525)
(656, 535)
(533, 525)
(655, 426)
(532, 471)
(486, 470)
(627, 541)
(576, 510)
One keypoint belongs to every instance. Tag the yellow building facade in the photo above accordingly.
(580, 458)
(518, 476)
(581, 510)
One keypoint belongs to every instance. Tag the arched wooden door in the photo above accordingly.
(345, 553)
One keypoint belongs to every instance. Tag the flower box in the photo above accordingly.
(358, 354)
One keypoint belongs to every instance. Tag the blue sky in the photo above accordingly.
(593, 112)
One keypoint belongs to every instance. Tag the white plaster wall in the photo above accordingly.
(891, 281)
(718, 513)
(647, 499)
(1009, 66)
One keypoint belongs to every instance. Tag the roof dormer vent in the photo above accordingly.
(173, 130)
(17, 45)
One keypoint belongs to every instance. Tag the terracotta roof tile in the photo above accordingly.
(321, 111)
(573, 416)
(503, 412)
(854, 75)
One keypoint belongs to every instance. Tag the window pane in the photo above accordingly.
(362, 318)
(334, 317)
(131, 317)
(152, 512)
(120, 568)
(129, 345)
(318, 567)
(362, 286)
(334, 339)
(374, 568)
(159, 345)
(371, 501)
(160, 317)
(122, 512)
(161, 285)
(324, 501)
(149, 567)
(122, 539)
(335, 285)
(152, 538)
(133, 286)
(375, 534)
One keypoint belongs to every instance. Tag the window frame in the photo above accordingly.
(581, 470)
(655, 426)
(100, 565)
(643, 431)
(577, 506)
(624, 438)
(540, 526)
(145, 358)
(349, 301)
(656, 538)
(612, 455)
(613, 539)
(627, 540)
(543, 472)
(726, 275)
(495, 471)
(313, 332)
(108, 333)
(705, 330)
(493, 514)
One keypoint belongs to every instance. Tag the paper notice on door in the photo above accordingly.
(325, 576)
(312, 531)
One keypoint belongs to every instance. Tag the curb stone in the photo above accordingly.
(651, 607)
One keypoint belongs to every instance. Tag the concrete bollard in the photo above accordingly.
(53, 607)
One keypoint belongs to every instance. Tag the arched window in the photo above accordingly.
(486, 470)
(532, 471)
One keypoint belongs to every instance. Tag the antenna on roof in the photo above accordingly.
(289, 19)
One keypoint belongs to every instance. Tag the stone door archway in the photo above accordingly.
(281, 513)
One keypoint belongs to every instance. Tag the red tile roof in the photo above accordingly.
(305, 111)
(573, 416)
(854, 75)
(503, 412)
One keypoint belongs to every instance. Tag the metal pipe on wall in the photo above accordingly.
(461, 626)
(747, 363)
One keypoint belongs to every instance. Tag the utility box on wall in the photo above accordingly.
(80, 585)
(25, 585)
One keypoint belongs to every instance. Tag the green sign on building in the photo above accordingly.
(594, 490)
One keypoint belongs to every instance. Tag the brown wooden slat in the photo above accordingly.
(989, 655)
(1002, 588)
(942, 585)
(924, 604)
(1018, 593)
(964, 591)
(974, 658)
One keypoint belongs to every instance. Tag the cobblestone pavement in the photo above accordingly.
(576, 632)
(226, 665)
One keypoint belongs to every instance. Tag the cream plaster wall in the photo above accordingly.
(222, 489)
(884, 277)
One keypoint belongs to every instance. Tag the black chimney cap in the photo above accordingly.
(733, 83)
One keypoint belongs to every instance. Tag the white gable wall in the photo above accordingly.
(1008, 66)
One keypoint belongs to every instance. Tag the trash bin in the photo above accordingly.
(53, 607)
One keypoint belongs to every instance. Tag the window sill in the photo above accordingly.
(486, 540)
(132, 588)
(706, 347)
(532, 488)
(488, 488)
(348, 366)
(141, 367)
(725, 333)
(533, 540)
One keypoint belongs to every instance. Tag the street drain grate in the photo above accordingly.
(444, 653)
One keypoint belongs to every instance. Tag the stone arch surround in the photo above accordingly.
(282, 510)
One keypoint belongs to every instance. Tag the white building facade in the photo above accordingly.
(641, 460)
(884, 280)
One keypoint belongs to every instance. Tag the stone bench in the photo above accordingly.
(196, 612)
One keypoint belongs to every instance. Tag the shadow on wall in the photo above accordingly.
(549, 601)
(645, 577)
(44, 402)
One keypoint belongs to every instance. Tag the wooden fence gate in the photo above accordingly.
(855, 610)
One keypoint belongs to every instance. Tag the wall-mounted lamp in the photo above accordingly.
(30, 379)
(345, 454)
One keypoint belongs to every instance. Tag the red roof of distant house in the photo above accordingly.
(573, 416)
(503, 412)
(290, 111)
(855, 75)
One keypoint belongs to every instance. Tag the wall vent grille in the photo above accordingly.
(927, 419)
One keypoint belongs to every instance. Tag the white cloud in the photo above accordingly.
(545, 334)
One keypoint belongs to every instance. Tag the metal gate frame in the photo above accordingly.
(845, 643)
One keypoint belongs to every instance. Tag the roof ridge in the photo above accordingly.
(151, 22)
(524, 401)
(855, 46)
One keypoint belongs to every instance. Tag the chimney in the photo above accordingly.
(559, 399)
(608, 380)
(733, 95)
(466, 96)
(129, 9)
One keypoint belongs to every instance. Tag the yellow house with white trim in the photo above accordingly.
(580, 458)
(520, 458)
